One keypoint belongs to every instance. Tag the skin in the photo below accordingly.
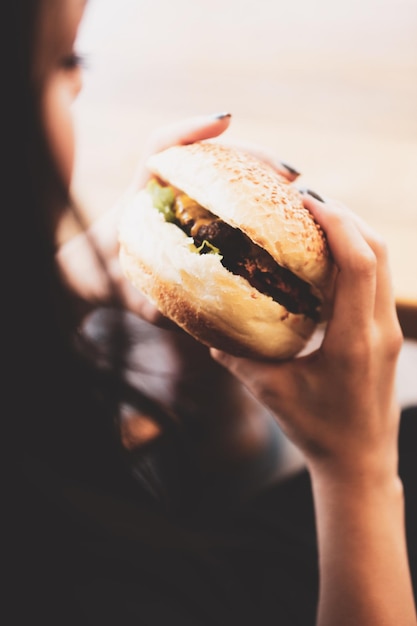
(62, 83)
(338, 404)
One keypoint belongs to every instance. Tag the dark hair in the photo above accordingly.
(76, 494)
(66, 408)
(58, 412)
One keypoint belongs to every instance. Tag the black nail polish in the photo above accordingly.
(311, 193)
(221, 116)
(291, 169)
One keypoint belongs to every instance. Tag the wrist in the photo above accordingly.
(357, 485)
(363, 466)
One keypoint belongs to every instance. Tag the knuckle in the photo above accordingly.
(380, 247)
(364, 264)
(354, 356)
(359, 350)
(394, 342)
(335, 215)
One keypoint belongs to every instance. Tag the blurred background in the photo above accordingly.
(330, 87)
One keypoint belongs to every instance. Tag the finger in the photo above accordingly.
(268, 156)
(384, 297)
(187, 131)
(355, 290)
(384, 306)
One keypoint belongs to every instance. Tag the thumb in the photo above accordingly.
(187, 131)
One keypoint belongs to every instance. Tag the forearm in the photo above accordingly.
(82, 259)
(90, 267)
(364, 575)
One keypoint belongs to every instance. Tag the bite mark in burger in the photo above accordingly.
(222, 244)
(239, 254)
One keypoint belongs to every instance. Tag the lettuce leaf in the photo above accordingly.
(163, 199)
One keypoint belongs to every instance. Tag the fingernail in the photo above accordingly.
(221, 116)
(291, 169)
(311, 193)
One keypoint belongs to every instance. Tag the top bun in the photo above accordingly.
(249, 194)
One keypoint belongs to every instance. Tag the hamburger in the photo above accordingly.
(222, 245)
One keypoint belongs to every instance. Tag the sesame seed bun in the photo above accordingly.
(208, 301)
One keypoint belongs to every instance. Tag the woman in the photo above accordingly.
(97, 536)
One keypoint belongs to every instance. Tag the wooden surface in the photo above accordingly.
(330, 87)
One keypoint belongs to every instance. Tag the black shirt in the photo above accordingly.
(87, 555)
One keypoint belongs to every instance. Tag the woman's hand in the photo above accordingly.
(89, 261)
(338, 404)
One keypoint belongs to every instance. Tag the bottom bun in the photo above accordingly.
(213, 305)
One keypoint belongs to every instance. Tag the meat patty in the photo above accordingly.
(245, 258)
